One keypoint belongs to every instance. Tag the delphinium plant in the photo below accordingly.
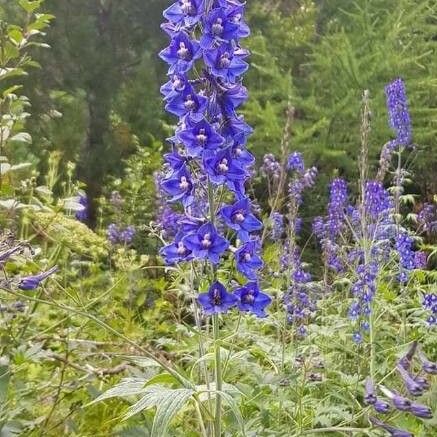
(208, 166)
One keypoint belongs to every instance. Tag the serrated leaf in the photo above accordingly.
(167, 409)
(128, 387)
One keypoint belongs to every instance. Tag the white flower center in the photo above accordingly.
(223, 166)
(183, 52)
(202, 138)
(184, 184)
(206, 242)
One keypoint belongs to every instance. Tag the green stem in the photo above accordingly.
(218, 377)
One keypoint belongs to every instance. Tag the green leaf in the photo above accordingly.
(128, 387)
(29, 6)
(167, 409)
(4, 379)
(162, 378)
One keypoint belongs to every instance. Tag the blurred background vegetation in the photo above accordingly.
(93, 119)
(96, 98)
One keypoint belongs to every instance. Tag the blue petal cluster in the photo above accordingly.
(209, 156)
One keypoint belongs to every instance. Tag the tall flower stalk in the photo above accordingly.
(208, 165)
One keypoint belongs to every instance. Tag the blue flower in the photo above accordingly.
(223, 169)
(226, 63)
(181, 53)
(82, 215)
(217, 299)
(185, 12)
(174, 86)
(206, 243)
(247, 259)
(32, 282)
(218, 28)
(180, 186)
(240, 218)
(252, 299)
(176, 252)
(187, 102)
(199, 136)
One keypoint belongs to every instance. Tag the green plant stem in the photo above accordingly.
(218, 376)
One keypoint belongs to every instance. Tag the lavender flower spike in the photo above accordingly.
(32, 282)
(7, 253)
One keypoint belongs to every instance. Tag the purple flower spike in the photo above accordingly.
(381, 406)
(369, 393)
(413, 387)
(421, 411)
(252, 299)
(427, 365)
(217, 299)
(206, 243)
(32, 282)
(394, 432)
(399, 116)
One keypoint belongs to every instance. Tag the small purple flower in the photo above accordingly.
(247, 259)
(217, 299)
(427, 218)
(181, 53)
(381, 406)
(422, 381)
(176, 252)
(252, 299)
(199, 136)
(377, 200)
(400, 402)
(240, 218)
(127, 235)
(32, 282)
(187, 102)
(394, 432)
(206, 243)
(180, 186)
(405, 360)
(413, 387)
(226, 63)
(427, 365)
(369, 392)
(218, 28)
(421, 411)
(185, 12)
(223, 169)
